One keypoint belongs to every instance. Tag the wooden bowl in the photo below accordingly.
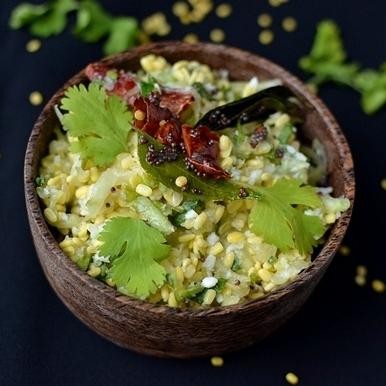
(173, 332)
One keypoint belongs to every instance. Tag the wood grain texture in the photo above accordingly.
(184, 333)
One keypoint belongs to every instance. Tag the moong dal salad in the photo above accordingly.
(182, 187)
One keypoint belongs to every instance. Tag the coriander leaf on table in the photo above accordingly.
(327, 57)
(123, 34)
(135, 250)
(25, 14)
(275, 218)
(92, 21)
(101, 123)
(43, 20)
(372, 85)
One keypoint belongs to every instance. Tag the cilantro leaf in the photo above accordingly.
(136, 250)
(43, 20)
(100, 122)
(275, 218)
(372, 85)
(327, 57)
(92, 21)
(25, 14)
(123, 34)
(147, 87)
(327, 62)
(180, 218)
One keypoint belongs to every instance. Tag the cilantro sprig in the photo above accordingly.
(93, 22)
(328, 62)
(99, 122)
(278, 216)
(135, 250)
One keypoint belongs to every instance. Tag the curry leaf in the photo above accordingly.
(167, 172)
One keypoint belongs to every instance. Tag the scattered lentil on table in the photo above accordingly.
(289, 24)
(266, 37)
(36, 98)
(217, 361)
(292, 378)
(264, 20)
(33, 45)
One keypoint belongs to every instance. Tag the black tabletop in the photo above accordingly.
(339, 336)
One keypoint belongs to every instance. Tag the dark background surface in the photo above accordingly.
(338, 338)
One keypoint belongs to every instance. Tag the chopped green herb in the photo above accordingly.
(100, 122)
(146, 87)
(202, 91)
(40, 181)
(180, 218)
(272, 260)
(236, 265)
(220, 284)
(135, 250)
(285, 134)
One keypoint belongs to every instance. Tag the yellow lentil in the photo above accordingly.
(144, 190)
(266, 37)
(179, 274)
(383, 183)
(229, 259)
(50, 215)
(223, 10)
(81, 192)
(191, 38)
(235, 237)
(33, 45)
(361, 270)
(216, 249)
(378, 286)
(180, 8)
(277, 3)
(330, 218)
(360, 280)
(139, 115)
(264, 20)
(172, 302)
(181, 181)
(217, 35)
(217, 361)
(292, 378)
(186, 238)
(94, 271)
(344, 250)
(156, 24)
(200, 220)
(264, 274)
(289, 24)
(36, 98)
(210, 295)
